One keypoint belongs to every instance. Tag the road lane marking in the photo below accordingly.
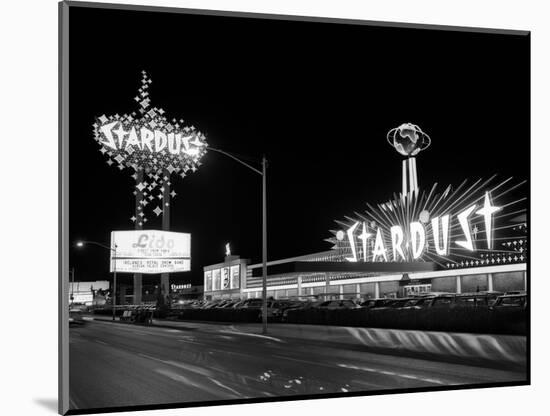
(284, 357)
(189, 367)
(226, 387)
(188, 341)
(252, 335)
(391, 373)
(177, 377)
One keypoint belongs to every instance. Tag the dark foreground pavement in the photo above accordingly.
(114, 364)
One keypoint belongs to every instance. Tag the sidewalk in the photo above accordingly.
(509, 349)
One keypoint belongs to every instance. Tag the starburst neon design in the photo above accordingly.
(483, 205)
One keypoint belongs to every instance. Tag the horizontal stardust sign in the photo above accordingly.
(150, 251)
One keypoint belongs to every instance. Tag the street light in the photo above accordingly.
(82, 243)
(72, 284)
(264, 229)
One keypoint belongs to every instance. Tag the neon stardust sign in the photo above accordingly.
(153, 141)
(415, 242)
(149, 140)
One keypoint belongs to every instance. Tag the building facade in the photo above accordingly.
(363, 285)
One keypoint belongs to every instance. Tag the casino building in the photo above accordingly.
(466, 238)
(328, 275)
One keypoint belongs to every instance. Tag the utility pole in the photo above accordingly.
(264, 247)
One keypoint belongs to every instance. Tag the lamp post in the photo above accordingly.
(72, 285)
(263, 173)
(82, 243)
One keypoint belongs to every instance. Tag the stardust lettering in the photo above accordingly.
(412, 243)
(114, 136)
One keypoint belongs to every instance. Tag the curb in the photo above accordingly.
(509, 349)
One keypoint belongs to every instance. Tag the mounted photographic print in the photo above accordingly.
(263, 208)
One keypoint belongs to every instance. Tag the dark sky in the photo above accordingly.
(316, 98)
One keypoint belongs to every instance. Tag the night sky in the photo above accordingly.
(316, 98)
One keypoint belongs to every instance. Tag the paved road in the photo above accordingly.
(113, 364)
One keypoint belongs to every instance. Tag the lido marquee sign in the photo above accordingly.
(150, 251)
(421, 227)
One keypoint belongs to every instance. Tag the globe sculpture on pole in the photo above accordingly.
(409, 140)
(467, 225)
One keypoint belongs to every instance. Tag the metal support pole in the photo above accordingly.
(114, 284)
(415, 175)
(404, 180)
(72, 285)
(411, 175)
(264, 248)
(165, 277)
(138, 278)
(263, 172)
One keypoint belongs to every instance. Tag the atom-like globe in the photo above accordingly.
(408, 139)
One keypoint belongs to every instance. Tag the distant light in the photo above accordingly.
(80, 244)
(340, 235)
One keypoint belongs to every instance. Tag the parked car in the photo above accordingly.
(229, 304)
(476, 299)
(505, 303)
(417, 303)
(302, 306)
(459, 300)
(439, 301)
(75, 317)
(250, 303)
(338, 304)
(376, 303)
(509, 314)
(275, 309)
(221, 303)
(210, 304)
(391, 303)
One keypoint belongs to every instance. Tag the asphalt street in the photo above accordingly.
(114, 364)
